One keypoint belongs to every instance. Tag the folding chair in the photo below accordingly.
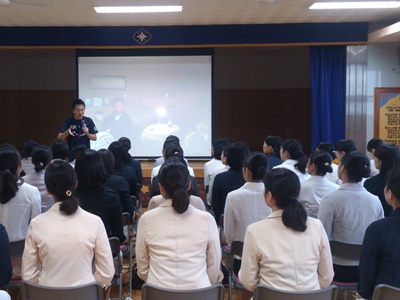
(263, 292)
(152, 292)
(127, 221)
(16, 250)
(386, 292)
(347, 252)
(90, 291)
(116, 253)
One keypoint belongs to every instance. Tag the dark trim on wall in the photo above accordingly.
(196, 35)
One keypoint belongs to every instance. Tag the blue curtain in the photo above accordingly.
(328, 92)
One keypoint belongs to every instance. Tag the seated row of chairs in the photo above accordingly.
(94, 291)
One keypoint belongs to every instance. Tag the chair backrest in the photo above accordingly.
(345, 251)
(386, 292)
(265, 292)
(237, 249)
(17, 248)
(115, 245)
(152, 292)
(126, 219)
(90, 291)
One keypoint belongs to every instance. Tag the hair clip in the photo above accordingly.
(68, 193)
(326, 164)
(41, 164)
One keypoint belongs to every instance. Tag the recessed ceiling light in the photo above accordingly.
(136, 9)
(356, 5)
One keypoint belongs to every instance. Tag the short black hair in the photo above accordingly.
(29, 145)
(117, 100)
(219, 145)
(77, 102)
(126, 142)
(236, 154)
(59, 148)
(374, 143)
(346, 146)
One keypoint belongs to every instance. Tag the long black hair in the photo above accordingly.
(60, 180)
(174, 178)
(284, 185)
(9, 162)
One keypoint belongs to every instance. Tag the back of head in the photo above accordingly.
(327, 147)
(173, 150)
(108, 160)
(41, 157)
(295, 150)
(60, 180)
(170, 140)
(389, 155)
(28, 148)
(373, 144)
(284, 186)
(218, 145)
(121, 156)
(9, 163)
(357, 165)
(392, 181)
(174, 179)
(59, 149)
(275, 142)
(78, 149)
(77, 102)
(235, 155)
(346, 146)
(323, 161)
(257, 163)
(90, 170)
(126, 142)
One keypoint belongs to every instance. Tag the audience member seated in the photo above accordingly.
(287, 250)
(60, 149)
(328, 147)
(215, 163)
(271, 148)
(94, 197)
(294, 159)
(380, 259)
(177, 245)
(172, 150)
(19, 201)
(230, 180)
(5, 258)
(344, 147)
(385, 158)
(169, 145)
(66, 246)
(133, 163)
(317, 186)
(216, 172)
(41, 159)
(246, 205)
(27, 167)
(170, 140)
(116, 183)
(347, 212)
(122, 168)
(75, 151)
(371, 146)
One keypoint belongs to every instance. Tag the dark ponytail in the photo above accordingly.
(295, 150)
(323, 161)
(9, 162)
(60, 180)
(174, 178)
(284, 185)
(357, 166)
(257, 163)
(41, 157)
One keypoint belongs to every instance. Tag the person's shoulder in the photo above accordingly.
(87, 119)
(28, 188)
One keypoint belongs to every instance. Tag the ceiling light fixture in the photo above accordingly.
(356, 5)
(136, 9)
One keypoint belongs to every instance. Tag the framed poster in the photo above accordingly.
(387, 115)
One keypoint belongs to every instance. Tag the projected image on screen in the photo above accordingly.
(147, 98)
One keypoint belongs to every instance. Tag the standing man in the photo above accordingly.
(78, 129)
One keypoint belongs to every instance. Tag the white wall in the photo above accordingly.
(382, 59)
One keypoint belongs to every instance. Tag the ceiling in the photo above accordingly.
(195, 12)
